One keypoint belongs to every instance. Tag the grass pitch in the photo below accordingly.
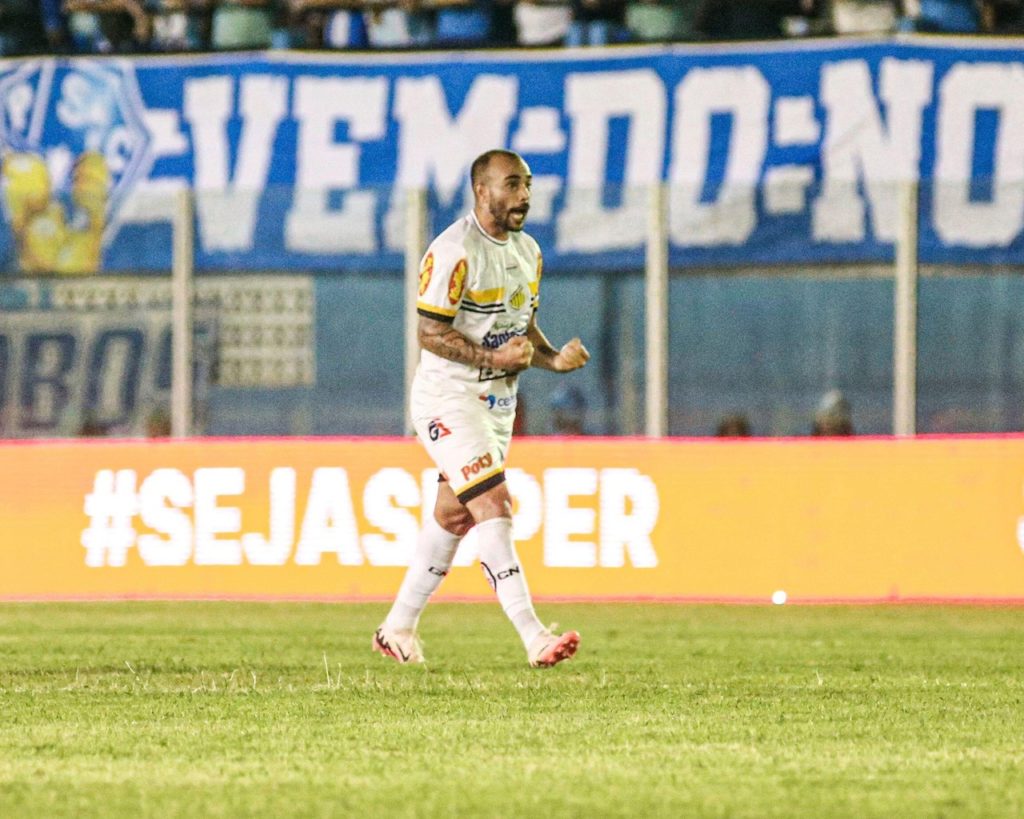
(222, 709)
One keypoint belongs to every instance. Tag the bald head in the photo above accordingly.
(482, 164)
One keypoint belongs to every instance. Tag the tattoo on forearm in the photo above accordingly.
(544, 350)
(449, 343)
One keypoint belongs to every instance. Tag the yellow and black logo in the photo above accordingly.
(457, 283)
(426, 271)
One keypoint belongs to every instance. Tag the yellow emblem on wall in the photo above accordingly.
(49, 237)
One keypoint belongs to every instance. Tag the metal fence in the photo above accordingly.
(677, 350)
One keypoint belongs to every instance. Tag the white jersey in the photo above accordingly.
(488, 290)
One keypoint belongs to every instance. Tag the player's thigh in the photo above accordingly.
(495, 502)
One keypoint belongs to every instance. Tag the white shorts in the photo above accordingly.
(466, 435)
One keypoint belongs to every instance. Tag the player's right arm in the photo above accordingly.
(442, 339)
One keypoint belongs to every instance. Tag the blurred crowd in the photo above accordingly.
(162, 26)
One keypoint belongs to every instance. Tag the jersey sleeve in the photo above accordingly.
(443, 273)
(535, 284)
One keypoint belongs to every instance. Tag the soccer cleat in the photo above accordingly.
(402, 646)
(549, 649)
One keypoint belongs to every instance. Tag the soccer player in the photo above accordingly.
(477, 331)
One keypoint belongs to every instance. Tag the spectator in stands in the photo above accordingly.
(1002, 16)
(542, 22)
(107, 26)
(597, 23)
(946, 16)
(734, 425)
(54, 25)
(180, 25)
(662, 21)
(406, 25)
(21, 28)
(568, 410)
(473, 23)
(864, 16)
(242, 24)
(833, 416)
(158, 423)
(744, 20)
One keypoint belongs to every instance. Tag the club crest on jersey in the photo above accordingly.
(518, 298)
(436, 430)
(426, 271)
(457, 283)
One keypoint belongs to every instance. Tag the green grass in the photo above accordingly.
(223, 709)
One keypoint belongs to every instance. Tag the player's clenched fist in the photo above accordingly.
(572, 356)
(514, 355)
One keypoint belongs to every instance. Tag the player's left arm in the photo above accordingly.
(572, 356)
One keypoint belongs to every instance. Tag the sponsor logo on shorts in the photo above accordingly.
(493, 401)
(437, 430)
(426, 271)
(477, 465)
(457, 283)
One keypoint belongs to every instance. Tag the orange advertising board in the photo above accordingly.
(860, 519)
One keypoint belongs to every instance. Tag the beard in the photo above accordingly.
(508, 218)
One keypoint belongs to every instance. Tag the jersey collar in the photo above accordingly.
(472, 215)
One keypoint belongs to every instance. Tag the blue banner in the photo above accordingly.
(784, 154)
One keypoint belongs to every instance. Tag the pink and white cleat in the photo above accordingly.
(401, 646)
(549, 649)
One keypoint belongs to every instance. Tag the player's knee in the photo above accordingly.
(456, 521)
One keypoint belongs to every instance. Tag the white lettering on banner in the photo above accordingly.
(856, 142)
(592, 101)
(323, 165)
(562, 520)
(626, 512)
(258, 550)
(965, 90)
(330, 522)
(528, 504)
(386, 500)
(434, 146)
(161, 499)
(226, 207)
(745, 95)
(110, 508)
(628, 531)
(212, 520)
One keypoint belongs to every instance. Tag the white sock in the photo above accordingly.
(435, 551)
(501, 567)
